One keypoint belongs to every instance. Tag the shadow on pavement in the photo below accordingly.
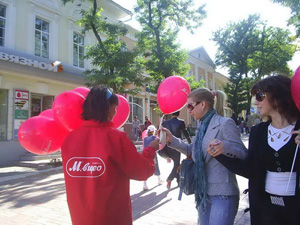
(143, 203)
(31, 191)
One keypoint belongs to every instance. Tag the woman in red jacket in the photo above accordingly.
(99, 161)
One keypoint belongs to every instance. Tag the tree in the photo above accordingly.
(251, 50)
(114, 65)
(160, 21)
(294, 5)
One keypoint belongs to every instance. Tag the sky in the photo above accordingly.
(220, 13)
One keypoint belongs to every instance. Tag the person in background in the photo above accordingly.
(98, 163)
(177, 128)
(249, 122)
(216, 188)
(151, 136)
(136, 128)
(274, 194)
(147, 123)
(257, 120)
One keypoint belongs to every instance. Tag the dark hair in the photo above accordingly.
(97, 103)
(278, 91)
(176, 113)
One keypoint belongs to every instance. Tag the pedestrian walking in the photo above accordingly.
(136, 128)
(271, 166)
(147, 140)
(177, 128)
(147, 123)
(216, 189)
(99, 161)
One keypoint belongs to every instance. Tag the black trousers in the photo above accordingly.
(175, 156)
(280, 210)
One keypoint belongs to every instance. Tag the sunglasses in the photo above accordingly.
(260, 96)
(191, 106)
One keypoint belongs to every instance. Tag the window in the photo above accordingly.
(78, 50)
(40, 103)
(3, 114)
(136, 108)
(41, 38)
(2, 24)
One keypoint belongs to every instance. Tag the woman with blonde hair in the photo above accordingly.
(216, 189)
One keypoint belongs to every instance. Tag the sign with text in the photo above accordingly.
(21, 110)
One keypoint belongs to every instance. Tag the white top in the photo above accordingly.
(277, 138)
(276, 183)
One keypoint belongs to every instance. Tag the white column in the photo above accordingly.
(206, 79)
(213, 81)
(10, 28)
(196, 73)
(30, 37)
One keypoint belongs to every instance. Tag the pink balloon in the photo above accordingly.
(122, 113)
(82, 90)
(144, 134)
(47, 113)
(41, 135)
(172, 94)
(67, 109)
(295, 88)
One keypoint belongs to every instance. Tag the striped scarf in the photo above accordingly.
(200, 190)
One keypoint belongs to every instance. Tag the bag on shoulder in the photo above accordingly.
(187, 178)
(164, 153)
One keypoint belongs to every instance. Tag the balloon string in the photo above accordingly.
(292, 168)
(161, 121)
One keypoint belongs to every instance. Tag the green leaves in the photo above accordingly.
(250, 50)
(114, 65)
(157, 42)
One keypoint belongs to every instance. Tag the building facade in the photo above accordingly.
(41, 56)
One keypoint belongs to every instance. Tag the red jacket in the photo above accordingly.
(98, 162)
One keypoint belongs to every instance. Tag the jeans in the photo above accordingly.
(157, 171)
(136, 133)
(219, 210)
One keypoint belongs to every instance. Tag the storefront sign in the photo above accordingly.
(31, 63)
(21, 109)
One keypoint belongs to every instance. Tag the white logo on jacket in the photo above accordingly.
(89, 167)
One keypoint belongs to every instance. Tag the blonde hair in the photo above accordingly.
(203, 94)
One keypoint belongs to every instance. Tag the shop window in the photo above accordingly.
(78, 50)
(40, 103)
(136, 109)
(41, 38)
(3, 114)
(2, 24)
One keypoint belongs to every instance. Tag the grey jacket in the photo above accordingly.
(220, 181)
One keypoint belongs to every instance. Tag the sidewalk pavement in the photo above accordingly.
(37, 197)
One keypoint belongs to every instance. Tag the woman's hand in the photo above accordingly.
(215, 147)
(169, 135)
(297, 138)
(154, 144)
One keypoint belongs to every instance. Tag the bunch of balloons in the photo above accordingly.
(295, 88)
(44, 134)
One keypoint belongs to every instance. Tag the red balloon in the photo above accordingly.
(295, 88)
(82, 90)
(47, 113)
(122, 113)
(41, 135)
(172, 94)
(67, 109)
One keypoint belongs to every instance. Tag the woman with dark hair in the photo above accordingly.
(273, 177)
(216, 188)
(99, 161)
